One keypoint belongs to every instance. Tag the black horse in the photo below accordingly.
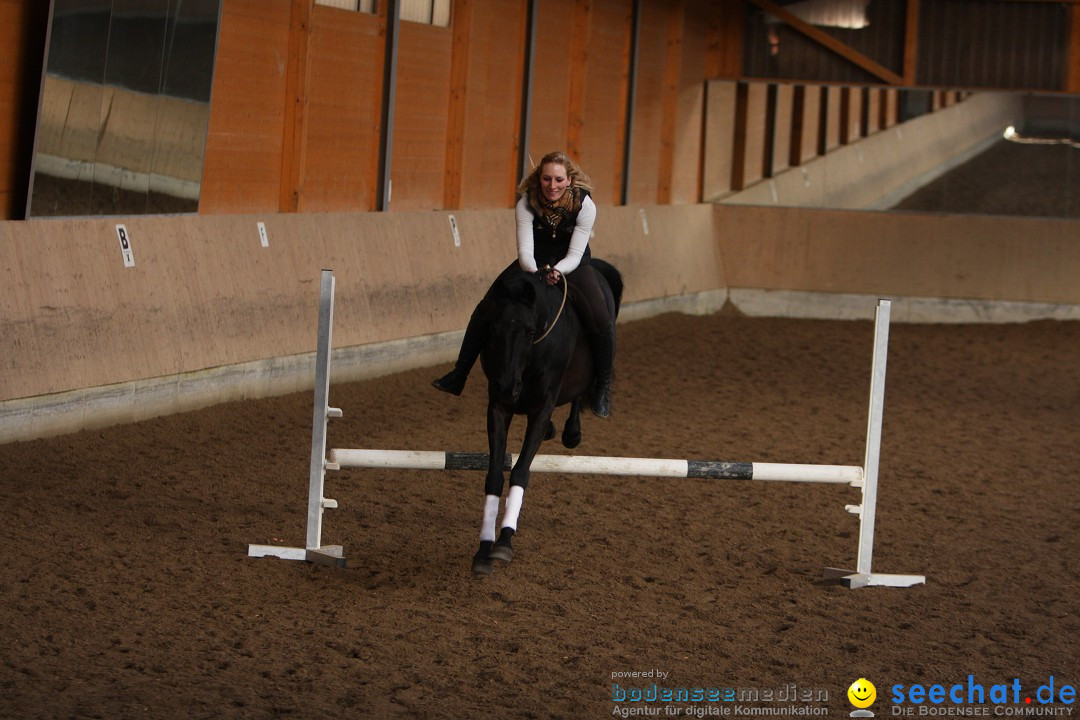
(537, 356)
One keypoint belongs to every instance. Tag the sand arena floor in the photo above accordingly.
(125, 590)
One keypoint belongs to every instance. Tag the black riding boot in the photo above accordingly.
(452, 382)
(472, 345)
(603, 351)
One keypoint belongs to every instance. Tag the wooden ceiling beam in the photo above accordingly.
(911, 43)
(822, 38)
(1072, 71)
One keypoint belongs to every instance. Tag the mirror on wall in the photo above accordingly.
(125, 106)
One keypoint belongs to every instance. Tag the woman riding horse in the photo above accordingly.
(554, 221)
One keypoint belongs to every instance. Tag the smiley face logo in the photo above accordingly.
(862, 693)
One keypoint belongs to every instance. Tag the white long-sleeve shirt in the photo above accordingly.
(578, 241)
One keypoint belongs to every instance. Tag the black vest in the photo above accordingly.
(550, 244)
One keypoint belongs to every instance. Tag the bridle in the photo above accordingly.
(562, 279)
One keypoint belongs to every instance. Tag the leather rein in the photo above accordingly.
(562, 279)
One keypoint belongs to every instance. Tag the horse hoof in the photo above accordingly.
(502, 549)
(481, 562)
(571, 440)
(502, 552)
(482, 566)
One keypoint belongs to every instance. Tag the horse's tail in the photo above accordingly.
(613, 277)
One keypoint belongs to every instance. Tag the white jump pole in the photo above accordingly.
(597, 465)
(315, 550)
(864, 477)
(862, 576)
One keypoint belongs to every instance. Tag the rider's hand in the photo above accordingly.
(552, 277)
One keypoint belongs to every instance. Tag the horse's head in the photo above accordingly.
(519, 319)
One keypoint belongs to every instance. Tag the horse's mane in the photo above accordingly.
(520, 286)
(530, 288)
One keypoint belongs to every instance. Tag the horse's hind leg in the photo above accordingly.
(571, 434)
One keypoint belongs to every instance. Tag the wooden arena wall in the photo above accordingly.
(22, 41)
(868, 165)
(10, 71)
(207, 314)
(297, 106)
(296, 109)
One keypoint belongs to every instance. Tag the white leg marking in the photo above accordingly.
(513, 507)
(491, 511)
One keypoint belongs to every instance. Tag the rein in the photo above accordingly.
(562, 279)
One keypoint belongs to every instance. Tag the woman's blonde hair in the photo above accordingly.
(578, 179)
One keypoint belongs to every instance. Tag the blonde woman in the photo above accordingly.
(554, 216)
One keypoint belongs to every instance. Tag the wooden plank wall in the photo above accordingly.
(810, 129)
(581, 86)
(877, 170)
(298, 90)
(756, 125)
(874, 112)
(555, 72)
(492, 87)
(10, 50)
(297, 101)
(184, 328)
(719, 139)
(892, 108)
(22, 45)
(242, 169)
(603, 124)
(902, 255)
(807, 121)
(649, 140)
(420, 130)
(831, 99)
(1072, 71)
(344, 69)
(298, 93)
(204, 293)
(784, 120)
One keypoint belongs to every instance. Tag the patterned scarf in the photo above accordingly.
(556, 212)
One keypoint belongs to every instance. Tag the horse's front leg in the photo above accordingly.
(535, 434)
(498, 424)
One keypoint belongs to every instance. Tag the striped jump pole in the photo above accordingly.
(596, 465)
(864, 477)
